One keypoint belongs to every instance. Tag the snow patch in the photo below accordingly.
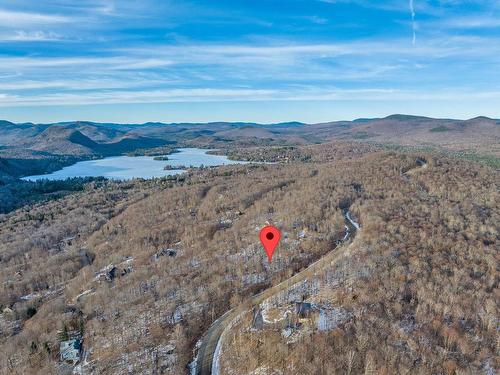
(348, 217)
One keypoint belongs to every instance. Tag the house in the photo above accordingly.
(126, 266)
(420, 161)
(70, 350)
(168, 252)
(108, 273)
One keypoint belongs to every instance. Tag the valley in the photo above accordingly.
(86, 140)
(34, 149)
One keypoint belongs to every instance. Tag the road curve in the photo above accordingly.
(206, 362)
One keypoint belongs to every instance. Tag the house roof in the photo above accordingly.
(74, 344)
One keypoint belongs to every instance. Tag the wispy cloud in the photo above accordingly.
(16, 18)
(289, 54)
(110, 62)
(316, 19)
(232, 95)
(251, 72)
(126, 51)
(390, 5)
(84, 84)
(31, 36)
(138, 96)
(484, 21)
(413, 25)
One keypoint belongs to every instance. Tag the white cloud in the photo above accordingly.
(139, 64)
(84, 84)
(317, 20)
(112, 62)
(31, 36)
(288, 54)
(144, 96)
(471, 22)
(389, 5)
(229, 95)
(16, 18)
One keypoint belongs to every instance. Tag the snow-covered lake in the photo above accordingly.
(128, 167)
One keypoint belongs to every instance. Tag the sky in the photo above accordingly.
(133, 61)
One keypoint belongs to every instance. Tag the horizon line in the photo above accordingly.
(247, 122)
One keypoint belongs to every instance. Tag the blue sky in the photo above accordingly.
(261, 60)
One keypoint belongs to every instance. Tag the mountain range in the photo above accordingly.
(37, 143)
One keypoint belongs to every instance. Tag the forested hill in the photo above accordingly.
(140, 269)
(88, 138)
(28, 149)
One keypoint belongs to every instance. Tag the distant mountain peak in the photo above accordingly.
(6, 123)
(481, 118)
(401, 117)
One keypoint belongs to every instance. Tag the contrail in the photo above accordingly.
(413, 25)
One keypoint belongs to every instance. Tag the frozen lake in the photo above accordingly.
(128, 167)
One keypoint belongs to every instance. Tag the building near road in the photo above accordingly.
(70, 350)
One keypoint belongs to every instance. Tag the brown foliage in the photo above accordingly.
(423, 269)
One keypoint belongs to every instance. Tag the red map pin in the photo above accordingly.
(270, 237)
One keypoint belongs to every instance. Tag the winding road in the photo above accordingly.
(207, 360)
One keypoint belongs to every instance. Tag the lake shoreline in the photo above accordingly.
(126, 167)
